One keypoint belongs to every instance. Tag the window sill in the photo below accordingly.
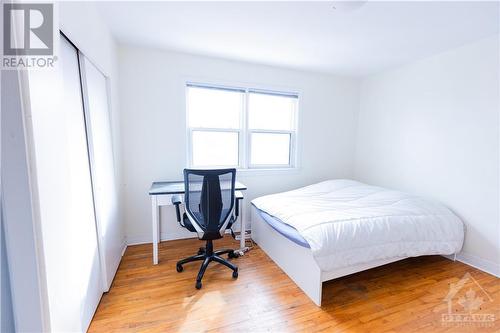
(267, 171)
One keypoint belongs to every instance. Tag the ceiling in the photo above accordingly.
(304, 35)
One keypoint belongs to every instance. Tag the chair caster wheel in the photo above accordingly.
(235, 274)
(233, 254)
(179, 268)
(198, 285)
(201, 250)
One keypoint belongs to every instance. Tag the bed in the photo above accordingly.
(339, 227)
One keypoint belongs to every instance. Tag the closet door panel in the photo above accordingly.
(103, 174)
(64, 192)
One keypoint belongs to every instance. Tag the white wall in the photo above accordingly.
(24, 252)
(6, 310)
(432, 128)
(154, 128)
(9, 90)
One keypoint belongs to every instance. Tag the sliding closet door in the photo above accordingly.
(102, 166)
(64, 193)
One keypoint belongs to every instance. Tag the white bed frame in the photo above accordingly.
(297, 261)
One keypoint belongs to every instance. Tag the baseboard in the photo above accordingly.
(124, 245)
(164, 236)
(484, 265)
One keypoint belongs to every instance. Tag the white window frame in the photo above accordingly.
(244, 132)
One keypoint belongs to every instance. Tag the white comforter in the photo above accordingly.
(348, 223)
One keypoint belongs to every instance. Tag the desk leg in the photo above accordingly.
(242, 228)
(156, 223)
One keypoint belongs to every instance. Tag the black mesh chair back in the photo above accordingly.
(209, 200)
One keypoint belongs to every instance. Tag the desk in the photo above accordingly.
(161, 195)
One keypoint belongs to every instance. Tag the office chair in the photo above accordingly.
(209, 202)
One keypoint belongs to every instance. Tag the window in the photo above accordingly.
(240, 127)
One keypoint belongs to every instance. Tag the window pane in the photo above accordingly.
(270, 149)
(271, 112)
(215, 148)
(214, 108)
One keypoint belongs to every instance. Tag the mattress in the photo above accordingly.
(348, 223)
(284, 229)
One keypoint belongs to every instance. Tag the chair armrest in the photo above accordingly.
(176, 201)
(239, 196)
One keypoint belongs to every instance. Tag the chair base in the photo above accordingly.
(207, 254)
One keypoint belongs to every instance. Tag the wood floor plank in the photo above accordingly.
(406, 296)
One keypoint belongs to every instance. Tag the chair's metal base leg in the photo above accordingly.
(203, 268)
(191, 259)
(224, 251)
(208, 255)
(225, 262)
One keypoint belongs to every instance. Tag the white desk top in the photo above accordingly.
(177, 187)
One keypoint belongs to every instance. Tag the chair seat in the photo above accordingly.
(189, 226)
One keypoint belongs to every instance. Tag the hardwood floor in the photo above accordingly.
(406, 296)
